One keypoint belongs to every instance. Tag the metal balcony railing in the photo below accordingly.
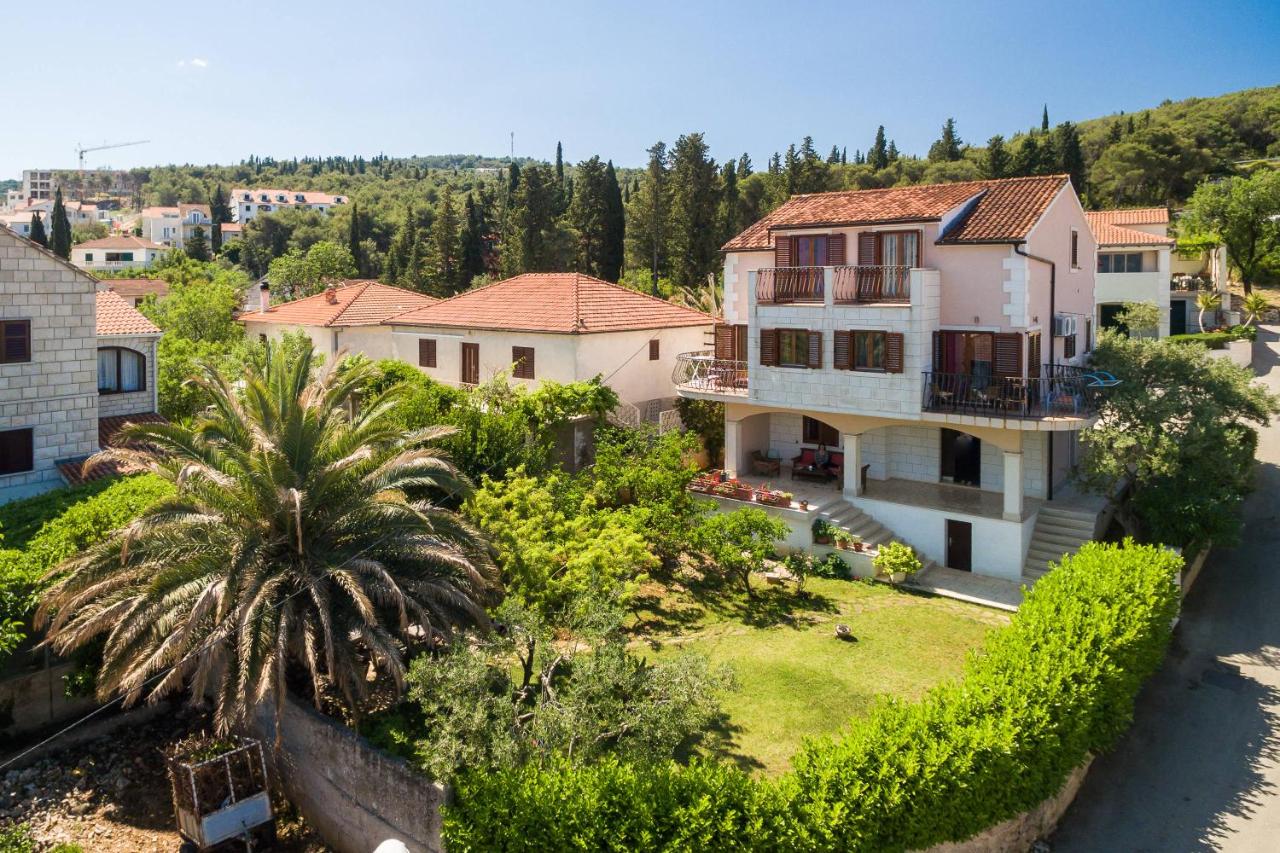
(872, 284)
(779, 285)
(702, 371)
(1064, 394)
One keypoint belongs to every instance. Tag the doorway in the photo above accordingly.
(1178, 317)
(959, 545)
(1109, 317)
(961, 458)
(470, 364)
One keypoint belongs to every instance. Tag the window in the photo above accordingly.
(426, 352)
(15, 341)
(811, 251)
(793, 348)
(16, 451)
(1120, 262)
(816, 432)
(1088, 334)
(522, 358)
(654, 350)
(1069, 346)
(119, 257)
(88, 257)
(1075, 249)
(121, 370)
(868, 350)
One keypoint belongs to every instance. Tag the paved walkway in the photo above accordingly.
(967, 586)
(1200, 770)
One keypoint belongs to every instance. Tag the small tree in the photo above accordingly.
(1140, 319)
(1243, 213)
(38, 234)
(1255, 305)
(895, 557)
(738, 542)
(60, 239)
(1207, 301)
(197, 247)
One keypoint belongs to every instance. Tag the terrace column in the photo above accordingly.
(732, 445)
(1012, 486)
(852, 464)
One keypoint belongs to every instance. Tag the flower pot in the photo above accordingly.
(858, 546)
(897, 577)
(822, 540)
(804, 505)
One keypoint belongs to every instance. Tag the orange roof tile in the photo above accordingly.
(1131, 216)
(135, 288)
(559, 302)
(75, 472)
(1002, 211)
(1108, 233)
(127, 241)
(356, 303)
(117, 317)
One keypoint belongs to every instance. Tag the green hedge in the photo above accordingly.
(1054, 686)
(1217, 340)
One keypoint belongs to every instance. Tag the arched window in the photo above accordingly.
(121, 370)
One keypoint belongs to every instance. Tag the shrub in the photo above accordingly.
(1054, 686)
(1219, 339)
(896, 557)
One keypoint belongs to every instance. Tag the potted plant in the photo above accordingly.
(822, 532)
(804, 505)
(844, 539)
(897, 561)
(856, 542)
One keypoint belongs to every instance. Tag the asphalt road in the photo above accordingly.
(1200, 769)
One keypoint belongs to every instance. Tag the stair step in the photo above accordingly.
(1065, 521)
(1044, 537)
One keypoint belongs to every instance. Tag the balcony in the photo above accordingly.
(848, 285)
(1062, 393)
(703, 373)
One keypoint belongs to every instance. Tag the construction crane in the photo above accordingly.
(81, 150)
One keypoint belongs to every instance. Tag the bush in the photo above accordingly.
(1055, 686)
(896, 557)
(1218, 340)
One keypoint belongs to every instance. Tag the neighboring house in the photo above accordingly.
(246, 204)
(560, 326)
(231, 231)
(173, 226)
(121, 252)
(73, 362)
(134, 290)
(347, 317)
(1134, 256)
(18, 223)
(926, 340)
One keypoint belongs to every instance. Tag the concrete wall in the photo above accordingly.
(354, 795)
(1074, 286)
(133, 402)
(56, 393)
(33, 701)
(1118, 288)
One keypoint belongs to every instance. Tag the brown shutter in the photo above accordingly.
(725, 348)
(937, 352)
(654, 350)
(782, 251)
(919, 261)
(842, 357)
(1008, 354)
(522, 358)
(426, 352)
(868, 248)
(1033, 355)
(835, 250)
(893, 352)
(769, 347)
(17, 341)
(815, 349)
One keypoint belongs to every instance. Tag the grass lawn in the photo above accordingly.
(794, 678)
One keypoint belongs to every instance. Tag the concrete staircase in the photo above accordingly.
(1058, 532)
(845, 516)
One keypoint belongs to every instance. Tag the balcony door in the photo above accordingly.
(470, 364)
(811, 251)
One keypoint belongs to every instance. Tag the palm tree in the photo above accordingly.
(705, 298)
(1207, 300)
(292, 543)
(1255, 305)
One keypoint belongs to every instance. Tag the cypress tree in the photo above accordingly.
(744, 166)
(615, 232)
(471, 252)
(513, 178)
(37, 231)
(646, 235)
(695, 185)
(559, 164)
(197, 248)
(1026, 161)
(353, 240)
(729, 202)
(60, 239)
(444, 244)
(878, 156)
(996, 162)
(1044, 120)
(1066, 145)
(844, 152)
(834, 156)
(589, 217)
(891, 153)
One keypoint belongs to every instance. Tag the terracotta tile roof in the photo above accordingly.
(158, 212)
(356, 303)
(1003, 210)
(1130, 216)
(560, 302)
(73, 470)
(135, 288)
(273, 196)
(117, 317)
(1108, 233)
(127, 241)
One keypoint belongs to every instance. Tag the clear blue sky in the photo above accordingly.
(215, 82)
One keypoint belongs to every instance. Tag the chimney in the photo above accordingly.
(331, 294)
(264, 295)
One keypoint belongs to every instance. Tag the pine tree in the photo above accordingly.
(744, 166)
(1026, 160)
(728, 202)
(615, 232)
(60, 238)
(996, 162)
(471, 252)
(220, 213)
(197, 247)
(37, 231)
(1070, 157)
(834, 157)
(891, 153)
(444, 246)
(536, 238)
(1115, 133)
(354, 238)
(1044, 120)
(775, 164)
(878, 156)
(693, 242)
(1129, 127)
(513, 178)
(947, 146)
(401, 248)
(589, 216)
(646, 235)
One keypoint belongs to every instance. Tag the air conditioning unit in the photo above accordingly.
(1064, 325)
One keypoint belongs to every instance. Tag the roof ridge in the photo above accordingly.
(343, 310)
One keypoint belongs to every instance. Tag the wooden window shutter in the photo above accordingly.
(782, 253)
(655, 351)
(815, 350)
(893, 346)
(426, 352)
(835, 250)
(937, 351)
(1007, 356)
(868, 248)
(725, 348)
(769, 347)
(919, 261)
(522, 357)
(16, 336)
(842, 356)
(1069, 346)
(1033, 355)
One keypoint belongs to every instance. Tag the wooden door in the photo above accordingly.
(470, 364)
(1177, 317)
(959, 545)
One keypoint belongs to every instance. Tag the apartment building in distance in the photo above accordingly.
(913, 357)
(173, 226)
(246, 203)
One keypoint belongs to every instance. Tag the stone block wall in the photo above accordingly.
(133, 402)
(56, 393)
